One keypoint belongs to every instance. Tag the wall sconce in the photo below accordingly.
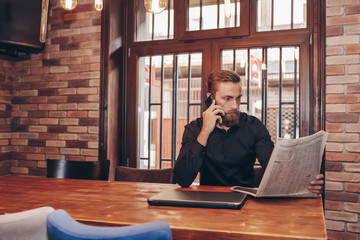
(155, 6)
(68, 4)
(99, 4)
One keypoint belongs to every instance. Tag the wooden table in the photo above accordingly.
(125, 203)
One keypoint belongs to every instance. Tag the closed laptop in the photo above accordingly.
(198, 199)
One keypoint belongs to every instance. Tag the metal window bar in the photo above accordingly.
(295, 91)
(189, 92)
(264, 87)
(272, 15)
(161, 106)
(153, 26)
(218, 14)
(248, 82)
(168, 26)
(280, 93)
(292, 14)
(174, 113)
(200, 22)
(150, 105)
(235, 17)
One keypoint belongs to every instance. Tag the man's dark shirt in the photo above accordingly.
(229, 156)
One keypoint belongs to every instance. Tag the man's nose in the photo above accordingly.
(234, 104)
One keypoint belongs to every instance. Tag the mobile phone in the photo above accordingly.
(209, 100)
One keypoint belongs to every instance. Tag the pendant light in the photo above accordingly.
(155, 6)
(99, 4)
(68, 4)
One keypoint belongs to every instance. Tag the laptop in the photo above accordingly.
(198, 199)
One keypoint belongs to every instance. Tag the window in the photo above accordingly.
(167, 69)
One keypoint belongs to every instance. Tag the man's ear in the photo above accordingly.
(208, 94)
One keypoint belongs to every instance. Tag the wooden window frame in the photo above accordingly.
(311, 40)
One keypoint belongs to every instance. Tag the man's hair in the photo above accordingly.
(219, 76)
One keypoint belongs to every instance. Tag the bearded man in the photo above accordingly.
(224, 144)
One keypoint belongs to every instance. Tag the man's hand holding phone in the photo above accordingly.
(211, 116)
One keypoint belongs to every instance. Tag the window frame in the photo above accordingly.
(312, 40)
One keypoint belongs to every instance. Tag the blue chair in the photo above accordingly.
(61, 226)
(30, 224)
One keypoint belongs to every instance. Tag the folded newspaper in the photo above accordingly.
(294, 163)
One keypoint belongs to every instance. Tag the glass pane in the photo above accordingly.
(227, 14)
(195, 81)
(273, 92)
(227, 60)
(209, 15)
(241, 67)
(299, 9)
(264, 16)
(144, 105)
(255, 83)
(194, 15)
(284, 14)
(154, 26)
(154, 73)
(157, 126)
(195, 112)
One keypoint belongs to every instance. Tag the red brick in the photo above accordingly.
(57, 129)
(335, 70)
(343, 137)
(344, 20)
(352, 207)
(342, 157)
(352, 49)
(334, 127)
(38, 114)
(352, 128)
(333, 166)
(79, 114)
(343, 176)
(57, 99)
(48, 135)
(76, 129)
(90, 137)
(333, 205)
(67, 106)
(70, 151)
(39, 85)
(353, 9)
(353, 88)
(37, 142)
(69, 121)
(59, 39)
(335, 235)
(88, 121)
(335, 225)
(37, 99)
(354, 108)
(341, 196)
(76, 144)
(74, 158)
(57, 114)
(87, 91)
(79, 83)
(352, 187)
(342, 118)
(77, 98)
(55, 143)
(349, 98)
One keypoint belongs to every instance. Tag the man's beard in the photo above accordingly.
(231, 118)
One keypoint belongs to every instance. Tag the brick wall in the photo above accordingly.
(342, 196)
(5, 116)
(55, 94)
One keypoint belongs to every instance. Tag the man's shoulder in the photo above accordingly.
(197, 123)
(248, 119)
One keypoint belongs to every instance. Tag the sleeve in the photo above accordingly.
(263, 145)
(190, 158)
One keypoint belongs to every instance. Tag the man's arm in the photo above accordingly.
(192, 153)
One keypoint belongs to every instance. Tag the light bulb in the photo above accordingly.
(155, 6)
(68, 4)
(227, 8)
(99, 5)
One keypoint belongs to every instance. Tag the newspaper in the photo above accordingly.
(294, 163)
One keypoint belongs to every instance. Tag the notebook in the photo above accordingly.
(198, 199)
